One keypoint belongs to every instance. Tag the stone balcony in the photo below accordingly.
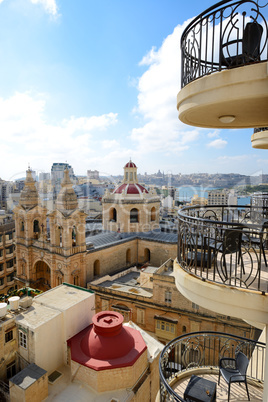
(224, 56)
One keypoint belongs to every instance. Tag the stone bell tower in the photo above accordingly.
(67, 236)
(30, 224)
(50, 248)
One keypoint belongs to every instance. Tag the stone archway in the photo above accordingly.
(42, 276)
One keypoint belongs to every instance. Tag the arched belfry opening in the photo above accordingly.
(113, 215)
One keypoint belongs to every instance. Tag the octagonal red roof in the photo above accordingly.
(106, 344)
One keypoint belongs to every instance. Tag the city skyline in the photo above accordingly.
(95, 84)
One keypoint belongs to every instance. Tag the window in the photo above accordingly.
(10, 277)
(9, 236)
(23, 339)
(167, 296)
(2, 281)
(195, 306)
(1, 238)
(1, 253)
(134, 215)
(140, 316)
(11, 369)
(9, 250)
(165, 326)
(9, 336)
(1, 267)
(10, 263)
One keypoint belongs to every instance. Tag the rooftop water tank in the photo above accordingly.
(14, 302)
(3, 309)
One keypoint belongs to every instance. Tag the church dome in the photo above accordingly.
(130, 164)
(130, 188)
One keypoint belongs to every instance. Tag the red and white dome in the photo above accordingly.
(130, 164)
(130, 188)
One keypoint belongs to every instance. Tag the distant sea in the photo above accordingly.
(187, 192)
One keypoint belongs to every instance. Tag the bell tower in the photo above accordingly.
(50, 248)
(67, 236)
(30, 223)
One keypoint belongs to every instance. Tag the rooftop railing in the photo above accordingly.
(201, 350)
(227, 35)
(225, 244)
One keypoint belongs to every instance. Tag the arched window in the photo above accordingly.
(183, 329)
(96, 268)
(153, 212)
(134, 215)
(36, 229)
(59, 236)
(147, 255)
(74, 236)
(128, 256)
(22, 226)
(113, 215)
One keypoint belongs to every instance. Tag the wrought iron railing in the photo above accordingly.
(226, 35)
(225, 244)
(260, 129)
(201, 350)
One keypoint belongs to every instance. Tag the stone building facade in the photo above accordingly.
(149, 298)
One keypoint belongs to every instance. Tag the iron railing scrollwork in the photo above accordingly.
(227, 35)
(204, 350)
(225, 244)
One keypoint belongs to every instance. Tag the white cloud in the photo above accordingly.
(158, 88)
(50, 6)
(234, 158)
(218, 143)
(29, 138)
(214, 134)
(110, 144)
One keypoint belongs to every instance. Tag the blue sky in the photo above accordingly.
(94, 83)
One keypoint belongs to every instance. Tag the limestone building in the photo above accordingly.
(83, 362)
(7, 254)
(52, 246)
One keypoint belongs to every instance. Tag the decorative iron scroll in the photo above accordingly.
(227, 35)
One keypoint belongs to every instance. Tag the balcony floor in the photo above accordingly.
(238, 393)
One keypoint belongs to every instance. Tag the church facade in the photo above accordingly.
(52, 247)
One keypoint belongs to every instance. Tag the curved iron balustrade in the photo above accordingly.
(227, 35)
(225, 244)
(258, 130)
(204, 350)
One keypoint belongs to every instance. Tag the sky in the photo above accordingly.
(94, 83)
